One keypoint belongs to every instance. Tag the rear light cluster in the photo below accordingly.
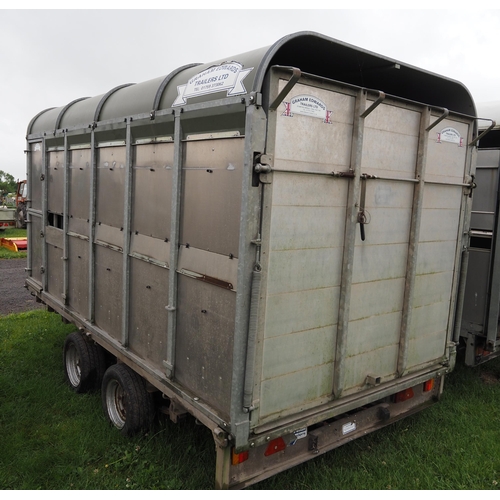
(239, 458)
(401, 396)
(429, 385)
(278, 444)
(274, 446)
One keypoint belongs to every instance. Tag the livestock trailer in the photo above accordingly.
(272, 241)
(479, 327)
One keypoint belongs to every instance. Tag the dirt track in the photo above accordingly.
(14, 298)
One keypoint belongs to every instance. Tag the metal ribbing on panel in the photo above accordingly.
(63, 111)
(255, 136)
(349, 243)
(456, 309)
(66, 220)
(45, 195)
(92, 216)
(127, 214)
(105, 97)
(252, 334)
(411, 264)
(165, 82)
(169, 362)
(493, 313)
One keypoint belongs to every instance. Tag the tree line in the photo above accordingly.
(7, 184)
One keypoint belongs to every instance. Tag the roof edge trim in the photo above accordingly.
(33, 120)
(166, 81)
(63, 111)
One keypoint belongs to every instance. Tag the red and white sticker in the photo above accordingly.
(307, 105)
(450, 135)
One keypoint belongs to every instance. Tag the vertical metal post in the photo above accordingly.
(349, 243)
(29, 204)
(45, 187)
(222, 467)
(462, 264)
(92, 217)
(493, 306)
(66, 220)
(491, 329)
(243, 366)
(411, 264)
(127, 214)
(169, 362)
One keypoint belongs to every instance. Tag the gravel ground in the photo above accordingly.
(14, 298)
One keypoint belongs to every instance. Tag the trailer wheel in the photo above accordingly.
(126, 401)
(84, 363)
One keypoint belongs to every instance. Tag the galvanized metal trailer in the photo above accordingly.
(265, 240)
(479, 327)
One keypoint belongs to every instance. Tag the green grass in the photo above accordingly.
(54, 439)
(5, 253)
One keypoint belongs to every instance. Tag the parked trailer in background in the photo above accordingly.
(265, 240)
(7, 218)
(479, 327)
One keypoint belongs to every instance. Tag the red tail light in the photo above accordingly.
(429, 385)
(401, 396)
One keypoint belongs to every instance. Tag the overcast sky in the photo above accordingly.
(48, 58)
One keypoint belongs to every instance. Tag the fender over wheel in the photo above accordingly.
(125, 400)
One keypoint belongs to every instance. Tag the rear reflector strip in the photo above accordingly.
(401, 396)
(275, 446)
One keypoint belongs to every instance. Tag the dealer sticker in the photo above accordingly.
(450, 135)
(307, 105)
(300, 434)
(226, 77)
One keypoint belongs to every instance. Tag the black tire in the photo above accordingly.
(84, 363)
(125, 400)
(21, 216)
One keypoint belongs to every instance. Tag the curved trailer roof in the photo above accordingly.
(308, 51)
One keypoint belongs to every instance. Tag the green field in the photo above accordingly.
(54, 439)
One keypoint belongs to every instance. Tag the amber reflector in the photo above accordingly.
(238, 458)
